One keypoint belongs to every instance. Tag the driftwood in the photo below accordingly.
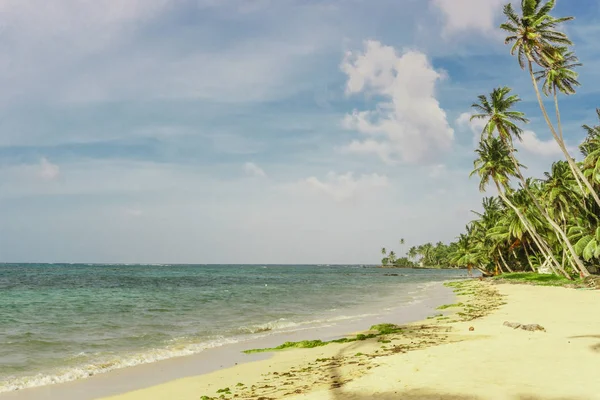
(592, 281)
(528, 327)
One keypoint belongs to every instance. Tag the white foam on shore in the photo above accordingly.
(417, 295)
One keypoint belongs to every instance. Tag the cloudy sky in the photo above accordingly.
(253, 131)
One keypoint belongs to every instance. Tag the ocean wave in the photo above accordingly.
(109, 364)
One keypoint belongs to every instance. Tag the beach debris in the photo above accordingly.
(471, 328)
(593, 282)
(527, 327)
(513, 325)
(533, 327)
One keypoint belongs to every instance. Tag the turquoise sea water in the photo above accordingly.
(60, 322)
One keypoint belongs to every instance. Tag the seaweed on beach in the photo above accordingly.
(381, 329)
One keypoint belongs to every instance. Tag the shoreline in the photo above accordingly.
(142, 376)
(470, 354)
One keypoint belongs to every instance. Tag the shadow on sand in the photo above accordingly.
(595, 347)
(338, 392)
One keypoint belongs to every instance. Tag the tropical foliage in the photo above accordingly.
(547, 225)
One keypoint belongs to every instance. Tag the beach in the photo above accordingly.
(468, 356)
(88, 331)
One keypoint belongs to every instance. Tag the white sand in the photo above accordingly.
(490, 362)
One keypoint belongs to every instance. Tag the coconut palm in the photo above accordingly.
(497, 111)
(533, 34)
(392, 258)
(536, 40)
(590, 148)
(412, 252)
(585, 231)
(501, 119)
(495, 164)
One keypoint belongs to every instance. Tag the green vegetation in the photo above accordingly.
(548, 225)
(381, 329)
(445, 306)
(423, 256)
(386, 329)
(538, 279)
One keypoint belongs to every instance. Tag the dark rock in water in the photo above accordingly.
(391, 274)
(529, 327)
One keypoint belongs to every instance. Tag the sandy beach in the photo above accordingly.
(468, 354)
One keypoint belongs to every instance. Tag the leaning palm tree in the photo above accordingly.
(497, 111)
(590, 148)
(502, 119)
(494, 164)
(536, 40)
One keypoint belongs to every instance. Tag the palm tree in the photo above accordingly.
(535, 40)
(412, 252)
(590, 148)
(502, 118)
(495, 164)
(392, 257)
(385, 259)
(497, 111)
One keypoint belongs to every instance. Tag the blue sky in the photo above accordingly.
(254, 131)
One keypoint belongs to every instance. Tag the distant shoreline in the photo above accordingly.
(413, 267)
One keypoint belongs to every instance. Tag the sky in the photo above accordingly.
(255, 131)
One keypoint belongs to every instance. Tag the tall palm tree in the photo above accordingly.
(590, 148)
(502, 119)
(392, 257)
(558, 76)
(533, 33)
(494, 164)
(497, 111)
(412, 253)
(536, 40)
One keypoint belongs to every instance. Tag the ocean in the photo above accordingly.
(62, 322)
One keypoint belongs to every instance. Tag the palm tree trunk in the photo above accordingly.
(560, 132)
(539, 241)
(504, 261)
(574, 168)
(527, 256)
(498, 267)
(561, 233)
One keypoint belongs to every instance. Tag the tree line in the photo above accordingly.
(541, 225)
(549, 225)
(424, 255)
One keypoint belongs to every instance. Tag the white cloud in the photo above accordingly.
(254, 170)
(468, 15)
(437, 171)
(72, 51)
(409, 125)
(476, 126)
(341, 187)
(48, 171)
(533, 144)
(530, 143)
